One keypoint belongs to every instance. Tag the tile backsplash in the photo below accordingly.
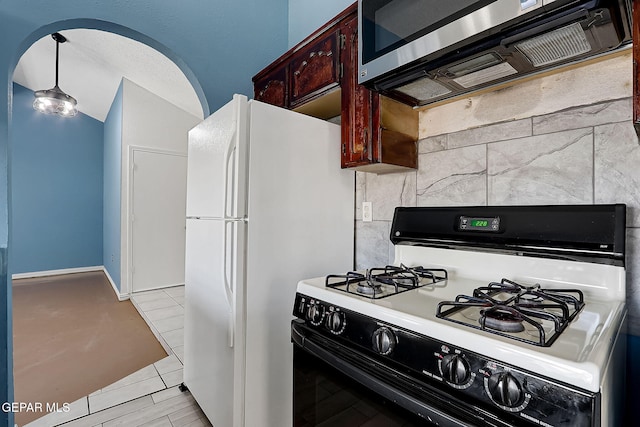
(580, 155)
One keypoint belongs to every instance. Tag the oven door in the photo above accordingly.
(334, 386)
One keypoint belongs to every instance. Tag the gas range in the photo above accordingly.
(511, 314)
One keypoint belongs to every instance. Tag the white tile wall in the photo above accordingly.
(453, 177)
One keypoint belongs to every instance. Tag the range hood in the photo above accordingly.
(420, 52)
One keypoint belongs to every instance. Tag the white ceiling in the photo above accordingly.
(92, 64)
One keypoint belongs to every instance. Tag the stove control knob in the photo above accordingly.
(384, 341)
(504, 389)
(315, 314)
(336, 322)
(455, 369)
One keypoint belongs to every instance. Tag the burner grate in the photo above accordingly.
(385, 281)
(505, 308)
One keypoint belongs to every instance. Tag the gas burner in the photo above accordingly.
(501, 319)
(531, 298)
(368, 288)
(505, 307)
(385, 281)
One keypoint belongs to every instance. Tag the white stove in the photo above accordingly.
(516, 321)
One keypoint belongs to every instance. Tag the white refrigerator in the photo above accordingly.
(267, 206)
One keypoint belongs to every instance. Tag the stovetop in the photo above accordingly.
(577, 356)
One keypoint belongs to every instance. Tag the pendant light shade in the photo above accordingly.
(54, 100)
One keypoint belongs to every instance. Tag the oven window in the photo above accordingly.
(322, 396)
(389, 24)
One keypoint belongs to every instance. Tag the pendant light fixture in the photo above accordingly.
(54, 100)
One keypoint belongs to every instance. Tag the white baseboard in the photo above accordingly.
(121, 297)
(56, 272)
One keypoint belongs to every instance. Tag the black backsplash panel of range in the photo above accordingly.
(593, 233)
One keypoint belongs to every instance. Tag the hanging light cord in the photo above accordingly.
(59, 38)
(57, 59)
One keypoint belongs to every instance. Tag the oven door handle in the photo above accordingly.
(298, 337)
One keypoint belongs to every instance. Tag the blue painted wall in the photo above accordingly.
(56, 186)
(112, 184)
(306, 16)
(218, 45)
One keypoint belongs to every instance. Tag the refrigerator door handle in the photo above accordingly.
(226, 250)
(232, 328)
(225, 170)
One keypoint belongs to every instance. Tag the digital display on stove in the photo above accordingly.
(468, 223)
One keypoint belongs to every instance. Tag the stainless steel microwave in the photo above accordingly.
(422, 51)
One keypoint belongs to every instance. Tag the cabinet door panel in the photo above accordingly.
(315, 69)
(272, 89)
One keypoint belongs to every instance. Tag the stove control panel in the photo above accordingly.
(470, 223)
(524, 398)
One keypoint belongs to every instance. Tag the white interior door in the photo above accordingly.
(158, 205)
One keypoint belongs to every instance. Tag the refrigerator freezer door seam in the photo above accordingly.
(215, 218)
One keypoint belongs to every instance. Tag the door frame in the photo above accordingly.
(127, 288)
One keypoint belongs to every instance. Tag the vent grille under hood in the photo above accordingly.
(569, 32)
(554, 46)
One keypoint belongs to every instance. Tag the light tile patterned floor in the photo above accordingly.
(149, 397)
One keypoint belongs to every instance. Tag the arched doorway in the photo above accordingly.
(195, 87)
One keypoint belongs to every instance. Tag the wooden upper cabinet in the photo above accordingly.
(308, 71)
(272, 87)
(318, 77)
(315, 69)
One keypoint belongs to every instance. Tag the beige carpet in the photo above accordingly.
(72, 337)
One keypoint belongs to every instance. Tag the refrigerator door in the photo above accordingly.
(301, 225)
(217, 150)
(214, 349)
